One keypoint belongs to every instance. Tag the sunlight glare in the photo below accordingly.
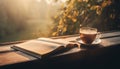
(33, 15)
(64, 1)
(38, 0)
(54, 3)
(49, 1)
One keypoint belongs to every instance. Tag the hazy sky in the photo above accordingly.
(36, 14)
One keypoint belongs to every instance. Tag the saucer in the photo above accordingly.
(95, 42)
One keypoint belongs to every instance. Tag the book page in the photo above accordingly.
(56, 41)
(40, 47)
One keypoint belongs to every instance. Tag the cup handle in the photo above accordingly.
(98, 35)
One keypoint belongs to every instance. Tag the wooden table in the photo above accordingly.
(106, 54)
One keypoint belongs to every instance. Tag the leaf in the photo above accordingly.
(82, 12)
(99, 10)
(93, 7)
(69, 16)
(64, 29)
(79, 0)
(104, 4)
(54, 34)
(74, 20)
(85, 0)
(60, 22)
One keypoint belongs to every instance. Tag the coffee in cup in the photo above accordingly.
(88, 34)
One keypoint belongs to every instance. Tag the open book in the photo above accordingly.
(42, 47)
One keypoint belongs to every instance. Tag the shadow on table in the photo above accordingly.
(82, 46)
(99, 58)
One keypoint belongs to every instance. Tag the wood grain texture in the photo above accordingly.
(11, 58)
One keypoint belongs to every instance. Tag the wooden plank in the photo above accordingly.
(110, 34)
(11, 58)
(110, 41)
(14, 57)
(6, 48)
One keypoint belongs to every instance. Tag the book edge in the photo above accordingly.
(27, 52)
(39, 56)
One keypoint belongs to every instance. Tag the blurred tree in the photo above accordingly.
(102, 14)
